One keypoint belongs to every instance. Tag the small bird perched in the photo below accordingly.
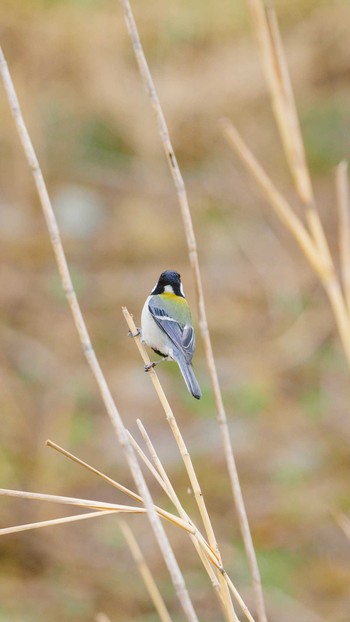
(166, 327)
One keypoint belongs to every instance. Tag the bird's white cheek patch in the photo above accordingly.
(182, 290)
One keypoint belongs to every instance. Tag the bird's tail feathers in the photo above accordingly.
(189, 377)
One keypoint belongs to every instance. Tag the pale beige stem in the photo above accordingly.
(168, 487)
(340, 312)
(192, 529)
(183, 513)
(275, 198)
(116, 420)
(343, 203)
(182, 448)
(318, 261)
(84, 503)
(343, 521)
(276, 72)
(198, 541)
(54, 521)
(127, 531)
(92, 469)
(284, 107)
(162, 513)
(293, 138)
(203, 323)
(145, 572)
(202, 547)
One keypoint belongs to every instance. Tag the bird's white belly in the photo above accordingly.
(152, 335)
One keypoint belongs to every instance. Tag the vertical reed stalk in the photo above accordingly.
(203, 323)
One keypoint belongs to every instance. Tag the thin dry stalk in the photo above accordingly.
(280, 205)
(314, 255)
(202, 547)
(188, 465)
(281, 92)
(127, 532)
(283, 103)
(183, 514)
(157, 527)
(55, 521)
(168, 489)
(84, 503)
(203, 323)
(93, 470)
(145, 572)
(343, 522)
(343, 202)
(162, 513)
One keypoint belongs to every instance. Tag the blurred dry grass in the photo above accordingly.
(285, 382)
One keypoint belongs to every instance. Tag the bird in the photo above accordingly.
(166, 327)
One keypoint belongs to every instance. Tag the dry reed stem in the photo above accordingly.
(116, 420)
(102, 617)
(87, 466)
(203, 323)
(84, 503)
(202, 547)
(150, 466)
(127, 532)
(298, 164)
(101, 505)
(283, 103)
(55, 521)
(200, 544)
(198, 539)
(188, 464)
(162, 513)
(168, 489)
(343, 203)
(343, 522)
(183, 513)
(314, 255)
(280, 205)
(145, 572)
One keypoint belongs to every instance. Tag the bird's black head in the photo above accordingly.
(169, 281)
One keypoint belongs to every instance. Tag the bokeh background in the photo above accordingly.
(283, 375)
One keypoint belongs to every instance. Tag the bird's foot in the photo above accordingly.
(151, 365)
(136, 334)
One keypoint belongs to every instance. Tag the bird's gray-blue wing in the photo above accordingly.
(181, 334)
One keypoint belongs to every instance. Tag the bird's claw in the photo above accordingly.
(149, 366)
(136, 334)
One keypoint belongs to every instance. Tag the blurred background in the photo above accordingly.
(283, 374)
